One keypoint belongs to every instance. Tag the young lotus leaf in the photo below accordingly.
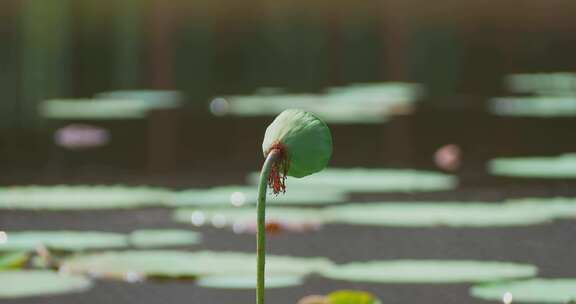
(428, 271)
(63, 240)
(163, 238)
(18, 284)
(248, 281)
(175, 264)
(529, 291)
(304, 143)
(351, 297)
(11, 260)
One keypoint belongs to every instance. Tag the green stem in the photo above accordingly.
(261, 232)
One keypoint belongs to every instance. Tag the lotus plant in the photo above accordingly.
(297, 143)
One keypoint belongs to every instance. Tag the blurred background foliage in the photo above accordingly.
(206, 48)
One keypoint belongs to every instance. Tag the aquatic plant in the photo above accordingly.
(297, 143)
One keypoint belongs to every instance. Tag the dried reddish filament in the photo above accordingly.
(277, 177)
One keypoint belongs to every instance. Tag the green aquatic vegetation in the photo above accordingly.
(91, 240)
(373, 180)
(351, 297)
(163, 238)
(151, 99)
(93, 109)
(11, 260)
(220, 217)
(179, 264)
(29, 283)
(562, 166)
(80, 197)
(341, 297)
(247, 195)
(534, 106)
(428, 271)
(456, 214)
(298, 144)
(63, 240)
(529, 291)
(248, 281)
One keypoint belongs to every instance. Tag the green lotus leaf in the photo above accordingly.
(305, 138)
(11, 260)
(351, 297)
(529, 291)
(63, 240)
(428, 271)
(80, 197)
(371, 180)
(246, 195)
(175, 264)
(163, 238)
(249, 281)
(18, 284)
(454, 214)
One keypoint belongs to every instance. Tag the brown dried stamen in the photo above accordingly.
(277, 176)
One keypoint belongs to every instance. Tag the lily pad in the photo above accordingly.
(563, 166)
(80, 197)
(428, 271)
(249, 281)
(170, 263)
(529, 291)
(17, 284)
(247, 195)
(163, 238)
(371, 180)
(534, 106)
(63, 240)
(223, 217)
(429, 214)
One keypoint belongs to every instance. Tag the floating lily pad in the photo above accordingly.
(563, 166)
(93, 109)
(249, 281)
(428, 271)
(371, 180)
(63, 240)
(17, 284)
(151, 99)
(80, 197)
(12, 260)
(534, 106)
(247, 195)
(163, 238)
(223, 217)
(167, 263)
(422, 214)
(529, 291)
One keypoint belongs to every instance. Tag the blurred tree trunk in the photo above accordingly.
(9, 65)
(128, 44)
(44, 52)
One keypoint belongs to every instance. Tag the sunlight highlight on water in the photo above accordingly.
(507, 298)
(197, 218)
(237, 199)
(219, 221)
(3, 237)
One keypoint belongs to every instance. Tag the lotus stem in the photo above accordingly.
(261, 223)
